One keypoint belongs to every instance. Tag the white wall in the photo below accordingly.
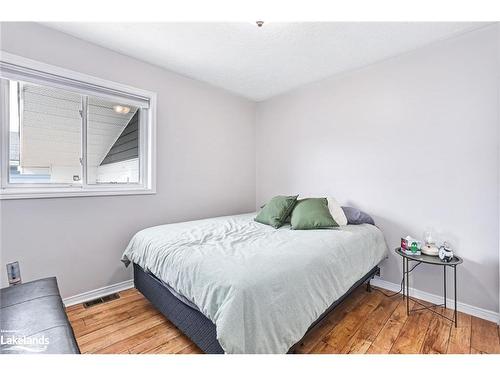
(413, 141)
(206, 167)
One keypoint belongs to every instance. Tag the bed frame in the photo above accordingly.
(197, 326)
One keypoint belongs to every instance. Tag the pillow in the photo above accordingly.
(288, 218)
(355, 216)
(312, 213)
(336, 211)
(276, 210)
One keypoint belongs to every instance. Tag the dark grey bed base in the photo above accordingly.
(197, 326)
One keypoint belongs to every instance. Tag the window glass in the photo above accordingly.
(44, 135)
(67, 134)
(112, 142)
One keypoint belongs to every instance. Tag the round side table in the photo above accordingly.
(435, 261)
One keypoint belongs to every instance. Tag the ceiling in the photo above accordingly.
(259, 63)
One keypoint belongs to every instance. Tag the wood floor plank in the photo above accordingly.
(110, 334)
(129, 292)
(438, 334)
(322, 348)
(344, 330)
(475, 351)
(312, 339)
(114, 319)
(191, 349)
(364, 322)
(484, 336)
(371, 327)
(172, 346)
(460, 336)
(78, 326)
(160, 338)
(117, 320)
(74, 308)
(391, 330)
(411, 337)
(143, 340)
(387, 337)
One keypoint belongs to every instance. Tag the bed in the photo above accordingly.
(237, 286)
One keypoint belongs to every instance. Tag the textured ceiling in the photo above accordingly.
(259, 63)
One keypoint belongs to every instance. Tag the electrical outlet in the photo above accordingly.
(14, 273)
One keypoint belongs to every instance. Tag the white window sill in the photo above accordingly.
(27, 193)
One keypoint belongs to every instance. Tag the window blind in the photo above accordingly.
(20, 73)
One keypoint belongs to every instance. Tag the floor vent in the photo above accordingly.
(97, 301)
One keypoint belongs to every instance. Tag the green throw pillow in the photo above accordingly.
(312, 213)
(276, 210)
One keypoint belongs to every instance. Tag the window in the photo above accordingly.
(67, 134)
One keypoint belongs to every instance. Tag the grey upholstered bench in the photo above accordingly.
(33, 320)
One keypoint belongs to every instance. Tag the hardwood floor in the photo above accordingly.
(363, 323)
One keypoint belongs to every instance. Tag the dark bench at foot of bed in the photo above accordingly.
(194, 324)
(33, 320)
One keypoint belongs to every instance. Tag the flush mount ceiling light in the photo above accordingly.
(259, 23)
(121, 109)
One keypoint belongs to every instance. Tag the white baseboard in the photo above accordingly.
(433, 298)
(96, 293)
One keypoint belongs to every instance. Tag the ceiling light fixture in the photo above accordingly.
(121, 109)
(259, 23)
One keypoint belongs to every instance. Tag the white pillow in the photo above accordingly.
(336, 211)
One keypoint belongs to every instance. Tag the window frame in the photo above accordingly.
(105, 88)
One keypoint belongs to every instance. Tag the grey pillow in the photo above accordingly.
(355, 216)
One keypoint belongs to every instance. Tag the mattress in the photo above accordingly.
(262, 287)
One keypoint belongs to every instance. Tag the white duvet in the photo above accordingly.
(262, 287)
